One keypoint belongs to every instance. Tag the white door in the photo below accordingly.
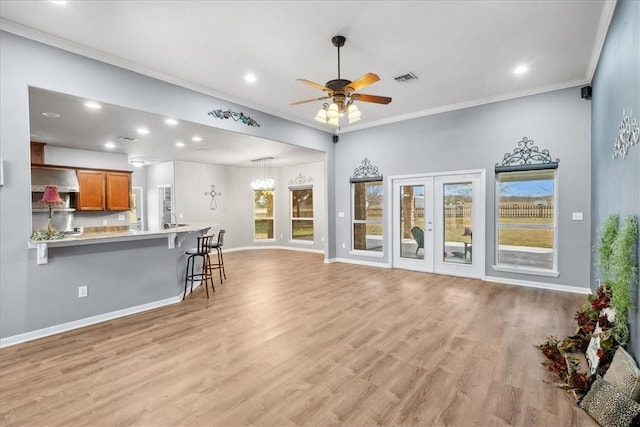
(438, 223)
(459, 230)
(413, 223)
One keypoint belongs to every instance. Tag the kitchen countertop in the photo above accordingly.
(171, 234)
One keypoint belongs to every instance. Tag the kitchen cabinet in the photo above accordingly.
(92, 190)
(104, 190)
(37, 153)
(118, 191)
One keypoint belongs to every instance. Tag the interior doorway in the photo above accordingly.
(438, 223)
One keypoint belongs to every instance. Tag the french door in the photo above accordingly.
(438, 223)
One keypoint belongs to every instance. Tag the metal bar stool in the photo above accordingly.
(200, 251)
(220, 264)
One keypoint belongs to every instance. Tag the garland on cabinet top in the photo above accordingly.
(228, 114)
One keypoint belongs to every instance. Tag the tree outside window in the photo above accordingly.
(302, 214)
(263, 214)
(367, 215)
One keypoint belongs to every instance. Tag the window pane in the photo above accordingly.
(458, 222)
(302, 229)
(526, 218)
(367, 237)
(302, 203)
(264, 229)
(412, 221)
(367, 200)
(263, 204)
(527, 247)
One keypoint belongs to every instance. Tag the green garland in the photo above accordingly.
(608, 235)
(625, 273)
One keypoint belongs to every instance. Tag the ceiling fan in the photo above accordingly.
(343, 93)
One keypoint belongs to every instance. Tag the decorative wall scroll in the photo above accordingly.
(366, 172)
(228, 114)
(526, 156)
(300, 179)
(628, 135)
(213, 193)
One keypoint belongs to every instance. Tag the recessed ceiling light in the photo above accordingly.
(52, 115)
(180, 144)
(143, 131)
(520, 69)
(196, 139)
(109, 145)
(61, 2)
(171, 122)
(92, 105)
(250, 78)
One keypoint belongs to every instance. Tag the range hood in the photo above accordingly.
(65, 179)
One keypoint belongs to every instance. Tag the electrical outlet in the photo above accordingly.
(120, 217)
(82, 291)
(340, 214)
(281, 236)
(576, 216)
(322, 239)
(104, 222)
(180, 215)
(344, 245)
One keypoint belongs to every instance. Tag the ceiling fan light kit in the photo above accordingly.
(342, 93)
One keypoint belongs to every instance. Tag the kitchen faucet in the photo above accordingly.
(166, 224)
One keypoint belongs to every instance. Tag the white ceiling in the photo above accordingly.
(463, 52)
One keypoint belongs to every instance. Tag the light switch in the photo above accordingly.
(577, 216)
(340, 214)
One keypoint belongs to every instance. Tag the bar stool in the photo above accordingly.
(220, 264)
(200, 251)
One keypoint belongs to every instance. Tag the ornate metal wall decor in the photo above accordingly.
(526, 156)
(228, 114)
(366, 172)
(213, 194)
(628, 135)
(300, 179)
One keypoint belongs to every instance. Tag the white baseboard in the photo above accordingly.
(286, 248)
(64, 327)
(361, 262)
(539, 285)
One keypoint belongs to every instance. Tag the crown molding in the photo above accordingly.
(608, 8)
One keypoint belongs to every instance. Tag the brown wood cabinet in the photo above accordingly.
(37, 153)
(92, 190)
(118, 191)
(104, 190)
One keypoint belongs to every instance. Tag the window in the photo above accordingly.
(263, 209)
(367, 216)
(526, 219)
(301, 214)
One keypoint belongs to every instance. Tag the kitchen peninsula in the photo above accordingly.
(175, 235)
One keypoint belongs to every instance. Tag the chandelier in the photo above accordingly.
(330, 113)
(263, 182)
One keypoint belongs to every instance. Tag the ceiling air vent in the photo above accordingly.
(405, 78)
(127, 138)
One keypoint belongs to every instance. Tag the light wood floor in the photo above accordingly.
(289, 340)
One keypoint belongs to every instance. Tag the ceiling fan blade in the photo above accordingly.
(315, 85)
(310, 100)
(363, 81)
(371, 98)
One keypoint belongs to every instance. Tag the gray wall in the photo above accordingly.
(615, 184)
(234, 211)
(23, 283)
(477, 138)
